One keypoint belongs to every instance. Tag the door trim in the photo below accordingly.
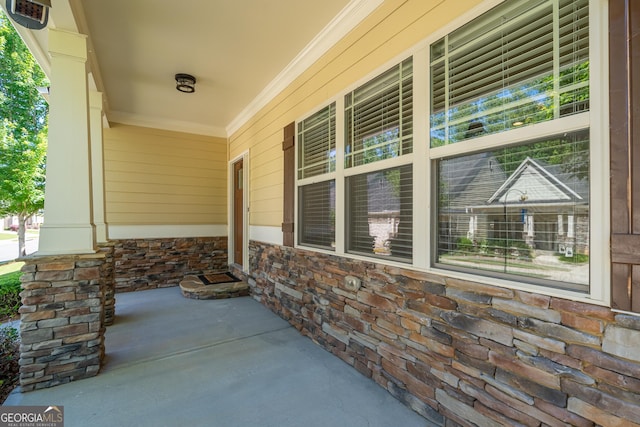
(245, 211)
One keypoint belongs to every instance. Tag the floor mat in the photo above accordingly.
(214, 279)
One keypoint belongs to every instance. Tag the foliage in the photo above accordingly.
(9, 361)
(23, 129)
(465, 245)
(570, 152)
(574, 259)
(20, 77)
(512, 245)
(10, 288)
(9, 337)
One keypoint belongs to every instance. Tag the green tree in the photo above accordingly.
(23, 130)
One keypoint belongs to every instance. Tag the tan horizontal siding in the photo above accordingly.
(266, 167)
(143, 199)
(267, 192)
(156, 219)
(140, 188)
(160, 177)
(198, 164)
(164, 208)
(390, 30)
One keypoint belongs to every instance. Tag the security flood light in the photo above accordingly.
(32, 14)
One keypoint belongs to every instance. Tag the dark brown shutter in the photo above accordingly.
(624, 81)
(288, 146)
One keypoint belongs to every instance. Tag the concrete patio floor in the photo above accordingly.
(176, 361)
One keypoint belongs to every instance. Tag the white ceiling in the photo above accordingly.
(234, 48)
(242, 53)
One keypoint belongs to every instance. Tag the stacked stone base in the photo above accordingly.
(61, 319)
(455, 351)
(193, 287)
(141, 264)
(109, 285)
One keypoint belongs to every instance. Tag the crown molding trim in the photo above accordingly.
(164, 124)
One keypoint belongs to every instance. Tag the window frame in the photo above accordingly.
(328, 176)
(424, 159)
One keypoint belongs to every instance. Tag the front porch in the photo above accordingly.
(153, 196)
(172, 361)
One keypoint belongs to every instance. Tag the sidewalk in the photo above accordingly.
(9, 246)
(176, 361)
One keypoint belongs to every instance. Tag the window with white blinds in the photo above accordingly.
(521, 63)
(317, 215)
(377, 213)
(519, 210)
(317, 159)
(379, 117)
(380, 213)
(317, 143)
(516, 205)
(506, 183)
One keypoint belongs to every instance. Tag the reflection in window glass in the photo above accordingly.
(520, 210)
(380, 213)
(379, 117)
(317, 143)
(520, 63)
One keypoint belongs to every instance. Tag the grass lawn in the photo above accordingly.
(9, 290)
(10, 267)
(7, 235)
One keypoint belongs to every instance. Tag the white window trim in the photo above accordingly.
(600, 203)
(423, 157)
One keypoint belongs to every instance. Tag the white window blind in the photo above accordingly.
(317, 158)
(521, 63)
(316, 217)
(379, 213)
(317, 143)
(379, 117)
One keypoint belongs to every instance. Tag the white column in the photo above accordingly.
(97, 165)
(67, 227)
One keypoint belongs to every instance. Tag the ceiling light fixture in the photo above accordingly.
(185, 83)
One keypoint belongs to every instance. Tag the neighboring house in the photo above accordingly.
(11, 222)
(400, 89)
(532, 217)
(553, 211)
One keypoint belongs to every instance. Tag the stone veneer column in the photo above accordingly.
(61, 319)
(108, 276)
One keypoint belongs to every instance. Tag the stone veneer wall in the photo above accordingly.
(61, 319)
(109, 285)
(141, 264)
(457, 351)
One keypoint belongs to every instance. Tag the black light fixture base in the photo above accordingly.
(185, 83)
